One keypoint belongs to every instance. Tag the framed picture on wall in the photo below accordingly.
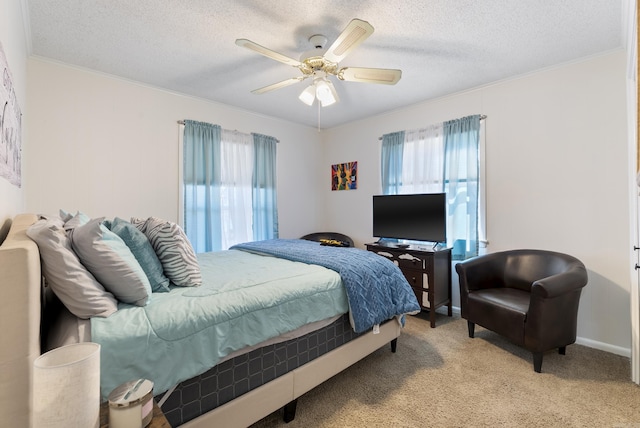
(10, 127)
(344, 176)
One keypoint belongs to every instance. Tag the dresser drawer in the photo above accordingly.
(417, 279)
(414, 262)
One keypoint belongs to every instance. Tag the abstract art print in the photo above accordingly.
(344, 176)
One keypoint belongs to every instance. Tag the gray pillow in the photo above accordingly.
(76, 287)
(173, 249)
(75, 220)
(109, 259)
(142, 250)
(65, 215)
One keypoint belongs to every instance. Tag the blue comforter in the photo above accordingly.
(376, 288)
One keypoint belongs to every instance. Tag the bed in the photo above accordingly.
(314, 351)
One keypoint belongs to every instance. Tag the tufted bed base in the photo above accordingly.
(20, 318)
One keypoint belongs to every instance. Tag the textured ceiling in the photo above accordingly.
(441, 46)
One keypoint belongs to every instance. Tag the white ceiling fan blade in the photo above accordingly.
(279, 85)
(385, 76)
(356, 32)
(267, 52)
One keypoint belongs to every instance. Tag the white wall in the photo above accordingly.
(557, 176)
(556, 164)
(12, 38)
(109, 147)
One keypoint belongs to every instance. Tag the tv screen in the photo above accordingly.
(417, 217)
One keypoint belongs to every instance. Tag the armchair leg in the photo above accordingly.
(471, 326)
(537, 361)
(562, 350)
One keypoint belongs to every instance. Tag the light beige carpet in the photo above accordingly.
(442, 378)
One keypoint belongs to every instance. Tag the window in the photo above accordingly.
(442, 158)
(423, 161)
(229, 191)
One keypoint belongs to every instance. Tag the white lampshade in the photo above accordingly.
(322, 89)
(66, 387)
(326, 93)
(308, 95)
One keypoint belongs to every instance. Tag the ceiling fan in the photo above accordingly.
(320, 63)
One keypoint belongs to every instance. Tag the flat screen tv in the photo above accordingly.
(416, 217)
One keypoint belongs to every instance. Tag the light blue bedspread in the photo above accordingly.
(376, 288)
(183, 333)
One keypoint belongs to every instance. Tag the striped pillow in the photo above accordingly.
(174, 250)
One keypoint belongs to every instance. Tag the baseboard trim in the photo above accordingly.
(618, 350)
(607, 347)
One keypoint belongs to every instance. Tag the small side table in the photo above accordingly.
(158, 420)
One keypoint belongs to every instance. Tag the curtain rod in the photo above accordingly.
(181, 122)
(482, 117)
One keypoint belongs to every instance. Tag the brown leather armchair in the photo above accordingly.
(530, 297)
(347, 241)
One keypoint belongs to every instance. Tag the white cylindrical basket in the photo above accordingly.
(66, 387)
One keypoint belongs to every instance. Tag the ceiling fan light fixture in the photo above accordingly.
(319, 63)
(323, 93)
(326, 92)
(308, 95)
(322, 89)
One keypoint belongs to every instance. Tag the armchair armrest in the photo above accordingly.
(562, 283)
(553, 310)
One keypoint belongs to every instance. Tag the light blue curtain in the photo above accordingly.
(391, 162)
(264, 197)
(461, 170)
(201, 176)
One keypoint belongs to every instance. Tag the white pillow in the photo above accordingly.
(174, 250)
(109, 259)
(76, 287)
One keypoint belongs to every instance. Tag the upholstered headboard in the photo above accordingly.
(20, 287)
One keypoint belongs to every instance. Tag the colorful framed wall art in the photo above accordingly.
(344, 176)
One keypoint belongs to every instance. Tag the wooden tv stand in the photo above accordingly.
(428, 272)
